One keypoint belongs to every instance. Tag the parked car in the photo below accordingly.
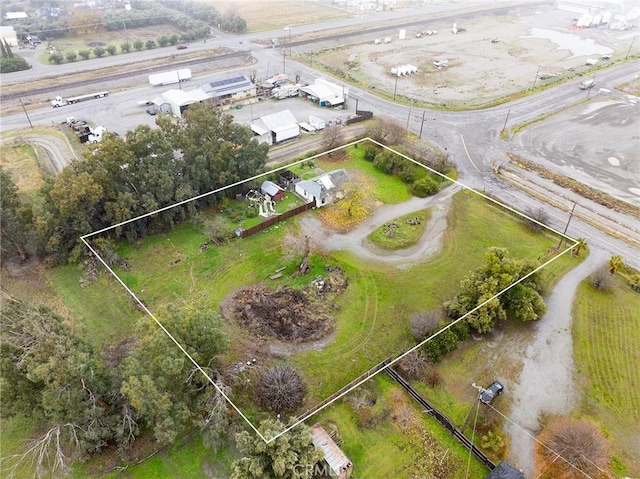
(182, 46)
(590, 83)
(493, 391)
(151, 111)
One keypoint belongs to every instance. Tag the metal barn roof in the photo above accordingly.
(228, 86)
(333, 455)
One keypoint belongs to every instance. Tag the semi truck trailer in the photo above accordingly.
(59, 101)
(167, 78)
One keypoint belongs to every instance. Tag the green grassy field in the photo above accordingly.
(606, 335)
(405, 234)
(400, 441)
(371, 324)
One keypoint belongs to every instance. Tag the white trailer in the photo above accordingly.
(59, 101)
(316, 122)
(167, 78)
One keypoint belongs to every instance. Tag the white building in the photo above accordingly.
(276, 128)
(9, 35)
(323, 189)
(325, 93)
(179, 100)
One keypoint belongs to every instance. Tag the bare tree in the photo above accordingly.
(50, 454)
(217, 229)
(423, 323)
(541, 218)
(281, 389)
(600, 279)
(332, 137)
(386, 130)
(412, 365)
(571, 448)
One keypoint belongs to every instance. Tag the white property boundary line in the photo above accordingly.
(308, 415)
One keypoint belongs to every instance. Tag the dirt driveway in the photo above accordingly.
(356, 241)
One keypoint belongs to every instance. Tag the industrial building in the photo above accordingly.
(325, 93)
(230, 91)
(276, 128)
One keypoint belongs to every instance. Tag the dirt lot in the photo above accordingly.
(478, 70)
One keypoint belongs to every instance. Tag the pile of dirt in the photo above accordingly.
(285, 313)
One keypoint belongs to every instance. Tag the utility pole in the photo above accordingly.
(409, 115)
(422, 124)
(567, 226)
(395, 88)
(536, 78)
(629, 50)
(505, 120)
(26, 114)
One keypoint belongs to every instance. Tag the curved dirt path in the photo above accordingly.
(356, 241)
(546, 384)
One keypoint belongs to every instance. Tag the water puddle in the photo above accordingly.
(568, 41)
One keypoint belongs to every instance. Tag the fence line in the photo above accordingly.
(276, 219)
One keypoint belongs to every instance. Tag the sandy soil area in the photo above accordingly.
(478, 70)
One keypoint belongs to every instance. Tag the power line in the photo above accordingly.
(541, 443)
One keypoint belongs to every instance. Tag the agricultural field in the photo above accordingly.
(299, 12)
(606, 334)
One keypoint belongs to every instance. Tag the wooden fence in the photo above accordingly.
(276, 219)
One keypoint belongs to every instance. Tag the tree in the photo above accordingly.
(150, 44)
(71, 206)
(332, 137)
(278, 459)
(137, 45)
(537, 219)
(125, 47)
(55, 377)
(99, 52)
(424, 324)
(13, 64)
(439, 346)
(616, 264)
(84, 54)
(15, 219)
(571, 448)
(217, 229)
(216, 151)
(413, 365)
(112, 50)
(386, 130)
(581, 244)
(163, 41)
(56, 58)
(600, 279)
(164, 387)
(424, 187)
(281, 389)
(71, 56)
(523, 300)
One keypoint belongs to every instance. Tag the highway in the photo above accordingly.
(470, 137)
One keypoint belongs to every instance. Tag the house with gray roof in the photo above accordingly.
(323, 189)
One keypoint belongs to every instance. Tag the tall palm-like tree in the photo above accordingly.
(616, 263)
(581, 244)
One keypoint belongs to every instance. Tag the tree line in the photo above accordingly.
(186, 16)
(120, 180)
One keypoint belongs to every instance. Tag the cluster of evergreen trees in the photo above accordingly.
(10, 62)
(120, 180)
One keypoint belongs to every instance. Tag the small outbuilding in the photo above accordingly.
(340, 466)
(274, 191)
(505, 471)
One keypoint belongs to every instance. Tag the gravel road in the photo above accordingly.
(546, 385)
